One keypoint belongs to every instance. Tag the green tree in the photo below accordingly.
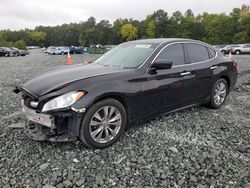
(151, 29)
(217, 28)
(176, 21)
(105, 31)
(240, 37)
(38, 37)
(211, 28)
(189, 13)
(116, 30)
(128, 32)
(244, 10)
(160, 18)
(82, 39)
(20, 44)
(245, 21)
(95, 33)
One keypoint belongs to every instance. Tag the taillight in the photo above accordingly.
(235, 65)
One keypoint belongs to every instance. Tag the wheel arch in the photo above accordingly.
(120, 98)
(225, 77)
(115, 96)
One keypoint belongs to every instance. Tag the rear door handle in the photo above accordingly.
(185, 73)
(213, 67)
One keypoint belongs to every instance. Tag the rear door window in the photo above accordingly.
(175, 53)
(196, 53)
(212, 53)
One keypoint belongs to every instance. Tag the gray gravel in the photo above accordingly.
(197, 147)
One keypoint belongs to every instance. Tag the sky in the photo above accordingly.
(20, 14)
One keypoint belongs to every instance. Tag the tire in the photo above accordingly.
(237, 52)
(101, 124)
(223, 52)
(217, 100)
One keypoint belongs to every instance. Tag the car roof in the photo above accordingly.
(164, 40)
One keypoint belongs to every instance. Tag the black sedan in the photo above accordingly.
(6, 51)
(131, 83)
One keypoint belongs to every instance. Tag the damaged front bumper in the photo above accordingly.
(40, 118)
(58, 127)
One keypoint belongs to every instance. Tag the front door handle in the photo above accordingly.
(185, 73)
(213, 67)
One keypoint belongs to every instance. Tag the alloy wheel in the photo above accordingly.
(220, 93)
(105, 124)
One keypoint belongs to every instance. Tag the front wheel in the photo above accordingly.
(103, 124)
(219, 93)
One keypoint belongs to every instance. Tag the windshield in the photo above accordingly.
(128, 55)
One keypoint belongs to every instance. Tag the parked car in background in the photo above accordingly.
(228, 48)
(133, 82)
(81, 50)
(7, 51)
(73, 50)
(97, 49)
(78, 50)
(16, 51)
(32, 47)
(225, 49)
(242, 49)
(12, 51)
(61, 50)
(48, 49)
(51, 50)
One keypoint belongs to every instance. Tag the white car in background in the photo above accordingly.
(50, 50)
(226, 49)
(242, 49)
(61, 50)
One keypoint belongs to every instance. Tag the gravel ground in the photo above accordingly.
(197, 147)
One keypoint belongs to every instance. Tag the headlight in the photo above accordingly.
(63, 101)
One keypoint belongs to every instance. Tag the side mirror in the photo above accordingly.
(162, 64)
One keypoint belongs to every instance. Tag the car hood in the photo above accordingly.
(55, 78)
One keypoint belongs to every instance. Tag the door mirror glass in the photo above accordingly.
(162, 64)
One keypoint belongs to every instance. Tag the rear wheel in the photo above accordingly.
(219, 93)
(103, 124)
(237, 52)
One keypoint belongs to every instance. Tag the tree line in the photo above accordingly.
(211, 28)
